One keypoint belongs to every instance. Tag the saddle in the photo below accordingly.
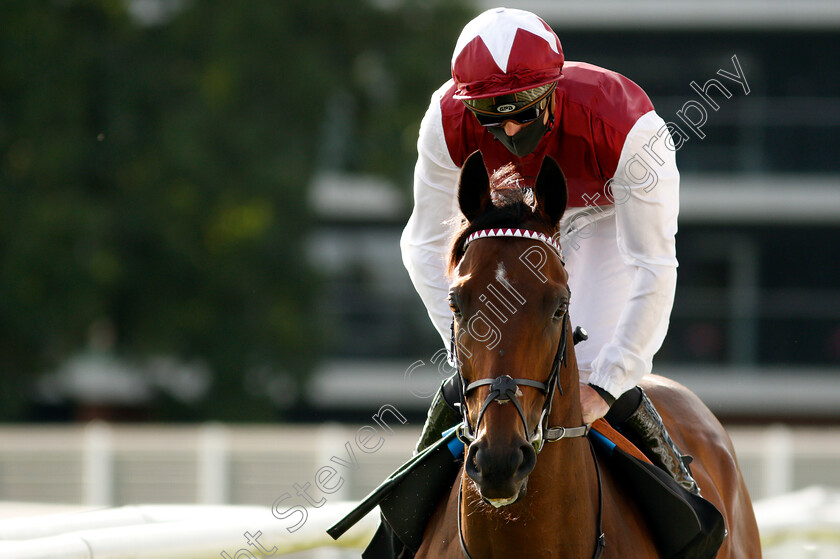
(685, 526)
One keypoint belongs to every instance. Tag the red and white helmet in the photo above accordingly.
(505, 51)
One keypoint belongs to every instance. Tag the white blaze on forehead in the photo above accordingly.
(501, 273)
(497, 29)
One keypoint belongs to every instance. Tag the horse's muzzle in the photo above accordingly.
(500, 473)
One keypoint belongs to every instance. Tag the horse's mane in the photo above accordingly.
(512, 206)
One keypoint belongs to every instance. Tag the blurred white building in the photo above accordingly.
(755, 329)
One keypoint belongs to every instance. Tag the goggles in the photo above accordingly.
(522, 107)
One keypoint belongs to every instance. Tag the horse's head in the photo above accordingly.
(509, 296)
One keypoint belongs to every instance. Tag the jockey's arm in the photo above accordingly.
(426, 237)
(646, 191)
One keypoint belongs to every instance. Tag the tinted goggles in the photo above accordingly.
(524, 116)
(522, 107)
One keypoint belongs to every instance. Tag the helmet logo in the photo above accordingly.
(506, 108)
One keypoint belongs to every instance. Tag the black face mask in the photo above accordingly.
(526, 140)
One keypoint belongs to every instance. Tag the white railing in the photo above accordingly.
(801, 525)
(175, 532)
(222, 469)
(107, 465)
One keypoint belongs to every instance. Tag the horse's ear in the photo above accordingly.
(550, 191)
(474, 187)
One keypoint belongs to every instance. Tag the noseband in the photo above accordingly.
(505, 388)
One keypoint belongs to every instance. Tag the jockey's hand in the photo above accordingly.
(592, 404)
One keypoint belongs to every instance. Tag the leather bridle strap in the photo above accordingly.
(601, 538)
(505, 388)
(556, 433)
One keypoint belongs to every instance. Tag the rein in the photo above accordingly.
(505, 388)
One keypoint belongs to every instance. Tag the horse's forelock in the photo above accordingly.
(513, 206)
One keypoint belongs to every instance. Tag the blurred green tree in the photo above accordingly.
(153, 172)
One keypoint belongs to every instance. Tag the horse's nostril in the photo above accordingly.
(516, 461)
(499, 466)
(471, 464)
(529, 460)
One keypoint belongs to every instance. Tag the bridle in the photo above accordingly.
(505, 388)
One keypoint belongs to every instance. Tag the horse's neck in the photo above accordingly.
(556, 518)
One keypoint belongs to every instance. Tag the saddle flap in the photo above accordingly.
(410, 504)
(684, 525)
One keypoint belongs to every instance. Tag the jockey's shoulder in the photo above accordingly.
(446, 97)
(607, 94)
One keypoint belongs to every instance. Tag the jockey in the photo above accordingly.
(513, 97)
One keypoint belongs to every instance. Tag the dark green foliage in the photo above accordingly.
(156, 174)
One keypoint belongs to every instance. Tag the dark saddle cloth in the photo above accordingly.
(685, 526)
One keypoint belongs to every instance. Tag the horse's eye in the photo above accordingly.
(562, 309)
(454, 308)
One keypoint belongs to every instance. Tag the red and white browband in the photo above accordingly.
(520, 233)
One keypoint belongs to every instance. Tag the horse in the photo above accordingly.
(531, 485)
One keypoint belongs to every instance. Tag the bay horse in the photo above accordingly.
(510, 501)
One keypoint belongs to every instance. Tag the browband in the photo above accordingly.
(520, 233)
